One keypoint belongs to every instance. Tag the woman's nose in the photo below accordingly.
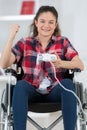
(46, 24)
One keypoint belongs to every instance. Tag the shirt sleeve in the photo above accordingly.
(70, 51)
(18, 50)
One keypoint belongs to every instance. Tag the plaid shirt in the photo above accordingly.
(26, 50)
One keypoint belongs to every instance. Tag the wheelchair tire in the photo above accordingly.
(81, 124)
(6, 122)
(81, 119)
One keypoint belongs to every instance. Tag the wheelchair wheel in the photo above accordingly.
(81, 122)
(81, 119)
(6, 121)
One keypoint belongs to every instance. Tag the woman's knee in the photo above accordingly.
(23, 87)
(68, 84)
(20, 87)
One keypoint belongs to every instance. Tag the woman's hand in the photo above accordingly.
(73, 64)
(8, 58)
(14, 28)
(57, 63)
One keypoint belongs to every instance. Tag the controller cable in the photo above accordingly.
(69, 90)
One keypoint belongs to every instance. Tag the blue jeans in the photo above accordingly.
(24, 93)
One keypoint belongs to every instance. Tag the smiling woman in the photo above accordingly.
(49, 15)
(46, 24)
(39, 83)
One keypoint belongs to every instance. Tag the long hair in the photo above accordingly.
(42, 9)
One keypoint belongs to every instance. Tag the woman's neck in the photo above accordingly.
(44, 41)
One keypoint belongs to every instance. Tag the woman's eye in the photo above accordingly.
(51, 22)
(42, 21)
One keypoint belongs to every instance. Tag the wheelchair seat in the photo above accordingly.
(44, 107)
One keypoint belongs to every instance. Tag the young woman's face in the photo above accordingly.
(46, 24)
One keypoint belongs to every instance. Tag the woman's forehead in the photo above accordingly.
(47, 15)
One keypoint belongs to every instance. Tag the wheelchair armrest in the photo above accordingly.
(18, 74)
(12, 71)
(69, 73)
(76, 70)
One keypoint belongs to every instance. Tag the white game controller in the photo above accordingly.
(47, 57)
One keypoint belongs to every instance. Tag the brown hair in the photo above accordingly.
(42, 9)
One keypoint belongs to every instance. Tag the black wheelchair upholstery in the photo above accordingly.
(7, 121)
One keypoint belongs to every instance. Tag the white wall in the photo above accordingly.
(72, 20)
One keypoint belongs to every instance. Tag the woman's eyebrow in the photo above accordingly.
(49, 20)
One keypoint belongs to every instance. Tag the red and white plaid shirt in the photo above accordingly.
(26, 50)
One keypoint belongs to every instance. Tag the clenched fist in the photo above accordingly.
(14, 28)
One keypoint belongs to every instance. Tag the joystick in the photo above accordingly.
(47, 57)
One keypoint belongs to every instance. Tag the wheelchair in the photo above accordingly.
(6, 116)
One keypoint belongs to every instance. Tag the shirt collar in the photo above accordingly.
(53, 39)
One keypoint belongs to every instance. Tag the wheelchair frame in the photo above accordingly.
(6, 117)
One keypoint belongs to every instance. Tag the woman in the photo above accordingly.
(40, 81)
